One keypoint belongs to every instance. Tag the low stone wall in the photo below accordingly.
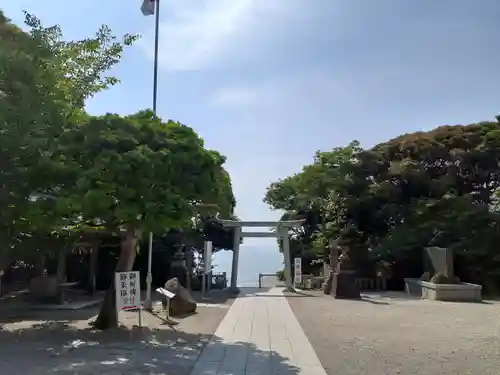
(463, 292)
(371, 283)
(363, 283)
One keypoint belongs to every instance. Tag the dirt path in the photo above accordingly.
(391, 334)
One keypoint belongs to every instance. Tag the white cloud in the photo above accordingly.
(233, 97)
(197, 34)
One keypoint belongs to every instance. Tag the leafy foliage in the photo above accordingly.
(387, 203)
(44, 82)
(137, 171)
(63, 170)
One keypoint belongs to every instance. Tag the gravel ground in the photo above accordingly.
(391, 333)
(61, 342)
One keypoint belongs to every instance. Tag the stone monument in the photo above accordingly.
(344, 279)
(439, 282)
(439, 263)
(182, 303)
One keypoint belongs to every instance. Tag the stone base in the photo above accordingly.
(463, 292)
(344, 285)
(234, 290)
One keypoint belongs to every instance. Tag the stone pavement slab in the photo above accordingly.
(260, 335)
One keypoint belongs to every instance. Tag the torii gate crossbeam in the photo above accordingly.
(282, 228)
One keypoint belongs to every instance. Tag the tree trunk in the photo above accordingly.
(108, 317)
(93, 262)
(61, 266)
(5, 260)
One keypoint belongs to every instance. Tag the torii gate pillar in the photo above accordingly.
(236, 257)
(282, 228)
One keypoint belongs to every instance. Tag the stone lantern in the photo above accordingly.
(344, 279)
(178, 267)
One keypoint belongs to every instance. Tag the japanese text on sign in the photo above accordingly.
(128, 290)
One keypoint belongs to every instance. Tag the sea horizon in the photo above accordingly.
(253, 260)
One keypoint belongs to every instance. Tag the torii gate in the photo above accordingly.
(282, 228)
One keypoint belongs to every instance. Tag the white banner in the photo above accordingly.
(128, 290)
(297, 270)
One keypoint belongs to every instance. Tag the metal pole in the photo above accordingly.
(157, 37)
(204, 273)
(149, 277)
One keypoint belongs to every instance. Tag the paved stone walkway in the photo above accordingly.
(260, 335)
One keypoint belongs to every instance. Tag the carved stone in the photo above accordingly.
(439, 261)
(330, 267)
(344, 279)
(183, 303)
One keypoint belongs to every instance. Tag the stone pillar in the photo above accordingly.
(344, 279)
(331, 266)
(236, 255)
(286, 253)
(178, 267)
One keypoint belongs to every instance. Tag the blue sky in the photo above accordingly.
(268, 82)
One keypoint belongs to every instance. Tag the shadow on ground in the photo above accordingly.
(214, 297)
(55, 347)
(63, 342)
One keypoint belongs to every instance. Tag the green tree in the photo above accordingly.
(136, 174)
(313, 195)
(389, 202)
(44, 82)
(436, 187)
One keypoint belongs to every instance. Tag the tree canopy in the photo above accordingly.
(389, 202)
(44, 82)
(137, 171)
(64, 169)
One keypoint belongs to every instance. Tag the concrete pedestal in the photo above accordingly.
(463, 292)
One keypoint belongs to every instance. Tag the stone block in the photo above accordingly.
(183, 303)
(439, 260)
(462, 292)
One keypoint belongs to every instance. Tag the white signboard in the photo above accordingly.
(208, 257)
(166, 293)
(128, 290)
(297, 270)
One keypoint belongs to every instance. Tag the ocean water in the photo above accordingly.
(253, 260)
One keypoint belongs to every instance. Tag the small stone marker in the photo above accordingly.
(182, 302)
